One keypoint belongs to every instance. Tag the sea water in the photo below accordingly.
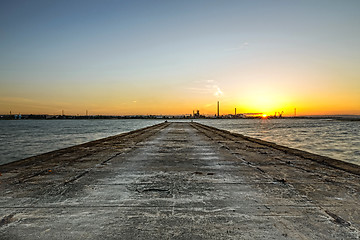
(336, 139)
(327, 137)
(24, 138)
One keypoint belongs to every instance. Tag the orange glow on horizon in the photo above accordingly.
(176, 107)
(175, 101)
(173, 66)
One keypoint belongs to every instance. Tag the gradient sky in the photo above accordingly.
(173, 57)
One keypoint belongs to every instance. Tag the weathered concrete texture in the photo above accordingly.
(177, 181)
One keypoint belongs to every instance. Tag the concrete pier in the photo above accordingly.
(179, 181)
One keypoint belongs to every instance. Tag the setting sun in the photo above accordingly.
(147, 113)
(140, 64)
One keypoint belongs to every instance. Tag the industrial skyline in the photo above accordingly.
(170, 57)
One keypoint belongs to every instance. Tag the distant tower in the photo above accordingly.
(86, 112)
(295, 112)
(218, 108)
(235, 111)
(62, 112)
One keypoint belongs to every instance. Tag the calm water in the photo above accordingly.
(25, 138)
(336, 139)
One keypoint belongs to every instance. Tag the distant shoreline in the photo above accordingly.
(165, 117)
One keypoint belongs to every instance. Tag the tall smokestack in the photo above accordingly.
(235, 111)
(218, 108)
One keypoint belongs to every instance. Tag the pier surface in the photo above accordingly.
(179, 181)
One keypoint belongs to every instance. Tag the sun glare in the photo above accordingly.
(264, 116)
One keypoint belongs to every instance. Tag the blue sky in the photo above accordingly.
(93, 54)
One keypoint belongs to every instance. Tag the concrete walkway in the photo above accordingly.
(177, 181)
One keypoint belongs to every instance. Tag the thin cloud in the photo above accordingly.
(209, 87)
(218, 92)
(242, 46)
(205, 81)
(199, 90)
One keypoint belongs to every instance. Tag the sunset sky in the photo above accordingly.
(173, 57)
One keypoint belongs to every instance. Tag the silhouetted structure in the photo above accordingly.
(197, 114)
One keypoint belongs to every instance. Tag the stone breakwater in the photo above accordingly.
(179, 181)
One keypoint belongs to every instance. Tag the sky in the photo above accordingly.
(172, 57)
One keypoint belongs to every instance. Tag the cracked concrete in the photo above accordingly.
(179, 181)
